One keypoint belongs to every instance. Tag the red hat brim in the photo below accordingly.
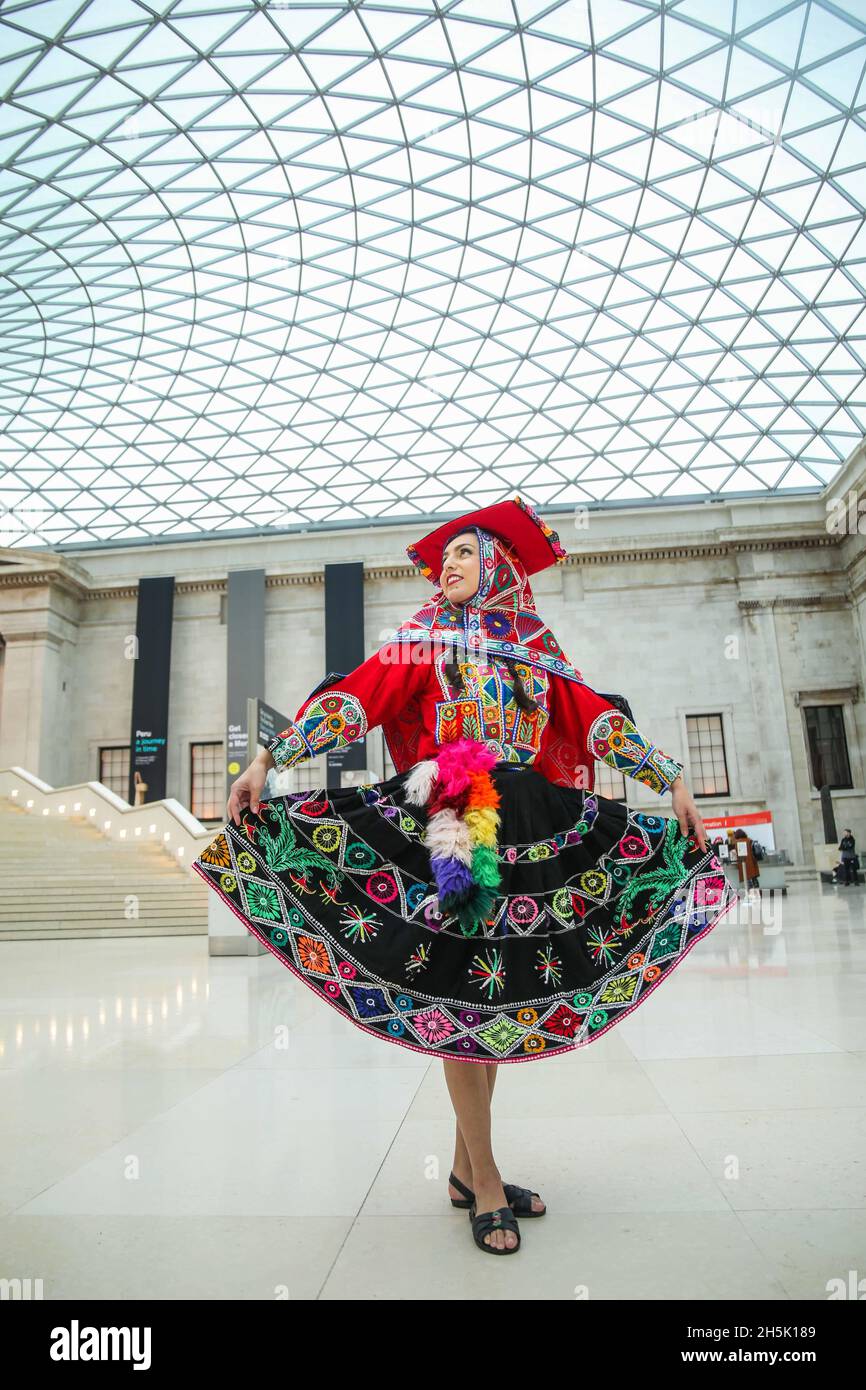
(536, 544)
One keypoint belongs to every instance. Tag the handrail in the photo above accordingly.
(166, 823)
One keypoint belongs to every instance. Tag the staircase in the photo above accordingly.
(60, 877)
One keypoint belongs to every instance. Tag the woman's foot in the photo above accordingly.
(489, 1196)
(465, 1176)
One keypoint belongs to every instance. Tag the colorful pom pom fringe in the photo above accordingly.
(462, 828)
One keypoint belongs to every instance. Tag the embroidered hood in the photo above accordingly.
(501, 617)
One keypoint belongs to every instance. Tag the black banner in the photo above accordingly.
(149, 736)
(268, 723)
(75, 1333)
(344, 645)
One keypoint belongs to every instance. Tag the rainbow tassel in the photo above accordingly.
(462, 828)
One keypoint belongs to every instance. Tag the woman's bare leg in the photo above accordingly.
(470, 1096)
(462, 1167)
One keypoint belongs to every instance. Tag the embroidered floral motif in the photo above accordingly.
(488, 712)
(331, 720)
(573, 943)
(614, 740)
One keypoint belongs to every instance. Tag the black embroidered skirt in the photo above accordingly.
(597, 903)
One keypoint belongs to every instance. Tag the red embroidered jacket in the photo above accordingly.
(405, 689)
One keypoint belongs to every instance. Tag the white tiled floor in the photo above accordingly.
(159, 1141)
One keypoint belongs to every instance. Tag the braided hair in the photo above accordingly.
(521, 695)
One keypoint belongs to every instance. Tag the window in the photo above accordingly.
(114, 769)
(828, 747)
(609, 782)
(207, 781)
(701, 111)
(707, 764)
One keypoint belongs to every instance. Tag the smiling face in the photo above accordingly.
(461, 567)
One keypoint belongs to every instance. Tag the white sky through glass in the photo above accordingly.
(281, 264)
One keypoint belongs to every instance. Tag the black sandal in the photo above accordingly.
(518, 1198)
(503, 1219)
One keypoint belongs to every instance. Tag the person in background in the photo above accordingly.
(846, 846)
(747, 864)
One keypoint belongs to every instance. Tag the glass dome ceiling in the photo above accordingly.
(279, 264)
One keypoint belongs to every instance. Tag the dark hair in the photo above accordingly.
(523, 698)
(463, 531)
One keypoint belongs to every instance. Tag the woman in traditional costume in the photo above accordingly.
(484, 904)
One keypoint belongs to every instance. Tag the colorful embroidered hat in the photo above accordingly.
(514, 522)
(500, 618)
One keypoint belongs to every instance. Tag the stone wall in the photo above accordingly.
(748, 609)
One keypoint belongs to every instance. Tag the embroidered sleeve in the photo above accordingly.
(603, 732)
(614, 740)
(375, 691)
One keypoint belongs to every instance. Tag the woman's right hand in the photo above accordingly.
(247, 790)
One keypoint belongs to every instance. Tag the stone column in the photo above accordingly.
(771, 713)
(39, 620)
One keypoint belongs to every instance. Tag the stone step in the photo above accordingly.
(149, 852)
(65, 879)
(99, 919)
(106, 883)
(91, 849)
(75, 932)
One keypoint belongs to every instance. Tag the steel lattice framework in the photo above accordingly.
(284, 264)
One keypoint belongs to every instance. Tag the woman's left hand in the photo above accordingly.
(688, 815)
